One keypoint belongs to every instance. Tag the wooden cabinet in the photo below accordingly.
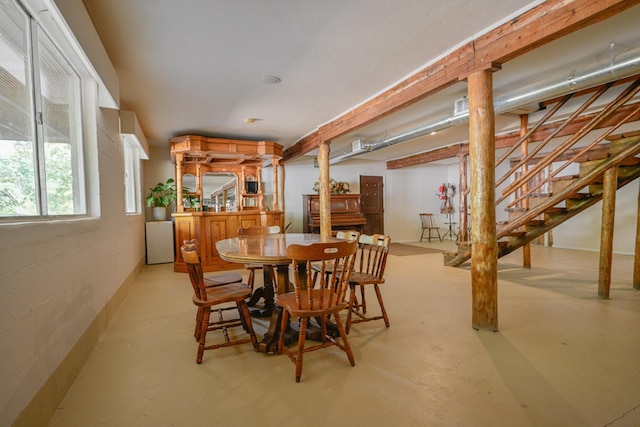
(237, 187)
(209, 227)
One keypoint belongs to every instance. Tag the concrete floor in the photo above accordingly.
(562, 357)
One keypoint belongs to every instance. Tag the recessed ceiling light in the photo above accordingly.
(271, 80)
(251, 120)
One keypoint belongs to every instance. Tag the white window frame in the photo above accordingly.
(49, 25)
(131, 156)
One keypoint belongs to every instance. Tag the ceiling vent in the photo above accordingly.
(461, 106)
(357, 146)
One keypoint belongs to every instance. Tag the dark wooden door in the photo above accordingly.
(372, 203)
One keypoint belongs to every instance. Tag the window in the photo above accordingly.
(41, 151)
(131, 175)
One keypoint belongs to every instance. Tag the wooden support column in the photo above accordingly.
(610, 186)
(462, 193)
(484, 247)
(276, 188)
(524, 151)
(281, 183)
(324, 193)
(636, 259)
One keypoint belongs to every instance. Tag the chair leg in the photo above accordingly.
(301, 339)
(345, 342)
(252, 278)
(245, 317)
(350, 307)
(284, 322)
(204, 326)
(384, 312)
(363, 304)
(198, 327)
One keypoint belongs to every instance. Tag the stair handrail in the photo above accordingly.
(613, 161)
(534, 128)
(620, 100)
(580, 153)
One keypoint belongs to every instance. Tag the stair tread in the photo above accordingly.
(580, 196)
(555, 209)
(565, 177)
(515, 233)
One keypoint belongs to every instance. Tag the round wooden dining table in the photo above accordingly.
(270, 251)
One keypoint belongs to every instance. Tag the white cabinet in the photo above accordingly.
(159, 235)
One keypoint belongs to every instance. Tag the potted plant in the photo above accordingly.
(190, 201)
(160, 197)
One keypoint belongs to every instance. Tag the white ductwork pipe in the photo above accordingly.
(620, 66)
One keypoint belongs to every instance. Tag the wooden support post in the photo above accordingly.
(276, 188)
(610, 186)
(636, 258)
(281, 184)
(324, 193)
(462, 193)
(484, 247)
(524, 151)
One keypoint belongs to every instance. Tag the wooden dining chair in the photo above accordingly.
(211, 299)
(428, 223)
(258, 230)
(216, 279)
(219, 279)
(320, 302)
(370, 263)
(349, 235)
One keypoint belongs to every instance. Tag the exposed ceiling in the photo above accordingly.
(197, 67)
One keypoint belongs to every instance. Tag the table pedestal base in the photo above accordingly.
(269, 343)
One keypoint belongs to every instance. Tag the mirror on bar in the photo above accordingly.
(220, 191)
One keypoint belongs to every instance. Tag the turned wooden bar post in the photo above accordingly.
(324, 193)
(484, 247)
(636, 258)
(178, 182)
(609, 188)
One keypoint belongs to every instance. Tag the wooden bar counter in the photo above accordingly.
(209, 227)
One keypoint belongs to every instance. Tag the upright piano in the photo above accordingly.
(346, 212)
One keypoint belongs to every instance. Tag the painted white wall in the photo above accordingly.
(409, 191)
(56, 276)
(583, 230)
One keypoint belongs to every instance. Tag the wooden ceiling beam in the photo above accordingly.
(544, 23)
(300, 148)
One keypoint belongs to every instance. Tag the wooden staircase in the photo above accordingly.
(568, 196)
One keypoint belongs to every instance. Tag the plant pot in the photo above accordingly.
(160, 213)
